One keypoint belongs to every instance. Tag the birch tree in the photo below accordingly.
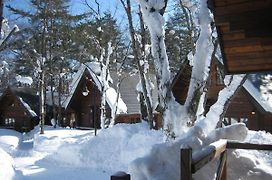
(152, 14)
(203, 131)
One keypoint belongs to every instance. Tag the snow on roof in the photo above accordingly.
(94, 68)
(111, 98)
(32, 113)
(251, 89)
(266, 105)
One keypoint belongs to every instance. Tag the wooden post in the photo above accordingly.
(120, 176)
(186, 164)
(224, 173)
(222, 168)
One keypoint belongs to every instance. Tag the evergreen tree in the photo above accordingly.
(95, 34)
(180, 37)
(46, 45)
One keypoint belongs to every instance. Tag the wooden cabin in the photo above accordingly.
(246, 106)
(82, 105)
(19, 109)
(244, 30)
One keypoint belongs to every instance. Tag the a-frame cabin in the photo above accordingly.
(82, 105)
(19, 109)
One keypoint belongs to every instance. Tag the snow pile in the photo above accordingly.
(6, 165)
(111, 150)
(9, 140)
(77, 154)
(245, 164)
(54, 138)
(162, 163)
(260, 137)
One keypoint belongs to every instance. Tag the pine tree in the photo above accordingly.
(45, 45)
(180, 37)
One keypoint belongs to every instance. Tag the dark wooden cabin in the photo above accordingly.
(19, 109)
(245, 107)
(82, 106)
(244, 30)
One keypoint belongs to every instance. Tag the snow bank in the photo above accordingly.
(163, 162)
(111, 150)
(53, 138)
(9, 140)
(6, 166)
(76, 154)
(245, 164)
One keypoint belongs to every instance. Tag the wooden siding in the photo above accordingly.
(244, 28)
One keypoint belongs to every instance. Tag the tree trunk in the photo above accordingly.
(1, 14)
(53, 101)
(42, 103)
(218, 109)
(42, 77)
(159, 53)
(136, 49)
(201, 64)
(59, 117)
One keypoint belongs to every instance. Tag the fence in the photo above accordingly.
(191, 164)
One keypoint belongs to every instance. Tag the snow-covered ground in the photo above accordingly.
(78, 154)
(73, 154)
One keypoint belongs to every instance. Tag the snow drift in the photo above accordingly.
(111, 150)
(6, 165)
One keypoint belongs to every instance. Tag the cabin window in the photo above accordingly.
(9, 121)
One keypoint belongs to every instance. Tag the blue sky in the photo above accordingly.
(77, 7)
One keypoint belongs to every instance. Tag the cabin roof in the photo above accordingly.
(255, 93)
(25, 97)
(128, 89)
(244, 30)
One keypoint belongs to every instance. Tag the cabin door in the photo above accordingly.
(86, 118)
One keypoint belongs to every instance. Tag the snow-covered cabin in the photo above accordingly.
(83, 102)
(19, 109)
(247, 105)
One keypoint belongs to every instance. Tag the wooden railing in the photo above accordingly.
(190, 164)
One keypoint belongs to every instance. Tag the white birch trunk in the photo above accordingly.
(104, 79)
(201, 62)
(154, 20)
